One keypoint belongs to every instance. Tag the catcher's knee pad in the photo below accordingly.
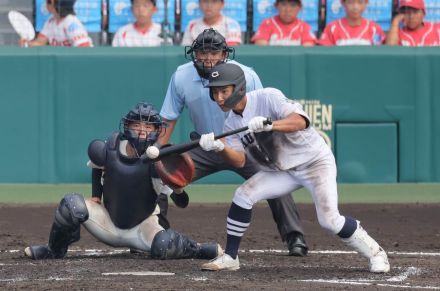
(72, 210)
(169, 244)
(161, 244)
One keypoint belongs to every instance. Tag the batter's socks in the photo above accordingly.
(349, 227)
(237, 223)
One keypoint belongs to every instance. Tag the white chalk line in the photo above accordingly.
(399, 278)
(147, 273)
(402, 277)
(410, 271)
(91, 252)
(339, 252)
(343, 282)
(21, 279)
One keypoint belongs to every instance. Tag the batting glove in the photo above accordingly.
(256, 124)
(208, 143)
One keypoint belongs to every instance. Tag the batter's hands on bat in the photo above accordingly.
(256, 124)
(208, 143)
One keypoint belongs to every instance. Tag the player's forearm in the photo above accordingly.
(233, 157)
(293, 122)
(261, 42)
(393, 35)
(166, 134)
(39, 41)
(308, 44)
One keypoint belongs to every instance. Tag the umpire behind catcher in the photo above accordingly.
(129, 216)
(187, 89)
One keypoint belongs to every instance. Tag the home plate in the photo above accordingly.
(147, 273)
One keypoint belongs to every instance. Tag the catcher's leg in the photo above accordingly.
(169, 244)
(71, 212)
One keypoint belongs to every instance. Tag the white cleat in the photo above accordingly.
(379, 263)
(223, 262)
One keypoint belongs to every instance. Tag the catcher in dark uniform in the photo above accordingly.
(123, 210)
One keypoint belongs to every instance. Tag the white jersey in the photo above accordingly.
(130, 36)
(275, 150)
(69, 31)
(227, 27)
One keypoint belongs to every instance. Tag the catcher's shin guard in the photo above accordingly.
(71, 212)
(169, 244)
(367, 247)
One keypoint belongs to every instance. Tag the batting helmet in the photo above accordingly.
(142, 112)
(225, 74)
(208, 40)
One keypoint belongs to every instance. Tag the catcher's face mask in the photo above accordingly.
(207, 50)
(142, 126)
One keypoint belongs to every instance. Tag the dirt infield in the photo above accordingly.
(410, 233)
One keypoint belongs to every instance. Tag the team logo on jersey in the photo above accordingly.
(215, 74)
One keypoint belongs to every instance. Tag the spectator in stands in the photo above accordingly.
(408, 28)
(285, 28)
(353, 29)
(213, 18)
(63, 28)
(143, 32)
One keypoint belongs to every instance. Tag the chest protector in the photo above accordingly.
(128, 192)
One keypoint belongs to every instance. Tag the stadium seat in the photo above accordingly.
(235, 9)
(265, 8)
(432, 10)
(88, 12)
(377, 10)
(120, 14)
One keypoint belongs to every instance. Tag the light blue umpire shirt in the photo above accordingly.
(186, 89)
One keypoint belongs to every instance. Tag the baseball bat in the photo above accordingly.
(181, 148)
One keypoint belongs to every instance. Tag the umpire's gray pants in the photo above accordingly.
(284, 211)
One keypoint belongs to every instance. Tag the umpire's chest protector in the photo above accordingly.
(128, 191)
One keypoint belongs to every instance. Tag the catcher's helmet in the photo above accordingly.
(225, 74)
(142, 112)
(64, 7)
(208, 40)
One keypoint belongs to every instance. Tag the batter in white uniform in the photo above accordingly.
(291, 155)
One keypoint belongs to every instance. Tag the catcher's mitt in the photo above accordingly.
(176, 170)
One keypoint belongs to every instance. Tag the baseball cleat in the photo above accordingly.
(379, 263)
(39, 253)
(223, 262)
(296, 245)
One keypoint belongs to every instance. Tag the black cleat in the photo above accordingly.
(296, 244)
(41, 253)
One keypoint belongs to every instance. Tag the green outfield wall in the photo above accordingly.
(378, 107)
